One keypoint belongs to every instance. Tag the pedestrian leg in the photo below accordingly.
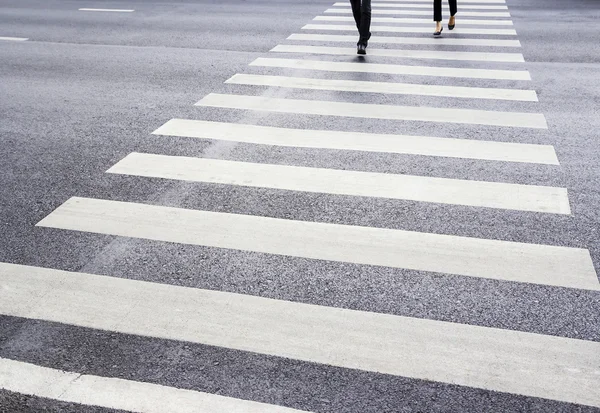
(437, 10)
(437, 17)
(356, 12)
(453, 7)
(453, 10)
(365, 22)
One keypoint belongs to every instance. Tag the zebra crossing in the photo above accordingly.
(407, 40)
(428, 6)
(416, 188)
(384, 87)
(480, 357)
(376, 29)
(415, 54)
(117, 393)
(541, 366)
(360, 245)
(420, 13)
(360, 141)
(409, 20)
(393, 69)
(376, 111)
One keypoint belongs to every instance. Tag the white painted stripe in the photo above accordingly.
(428, 6)
(414, 54)
(384, 87)
(422, 12)
(462, 1)
(115, 393)
(14, 39)
(444, 41)
(516, 362)
(500, 260)
(356, 67)
(399, 29)
(373, 111)
(353, 183)
(356, 141)
(109, 10)
(414, 21)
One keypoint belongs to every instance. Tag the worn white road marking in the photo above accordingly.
(377, 11)
(384, 87)
(13, 39)
(407, 29)
(354, 183)
(356, 67)
(408, 40)
(502, 260)
(115, 393)
(357, 141)
(374, 111)
(406, 20)
(414, 54)
(516, 362)
(428, 6)
(109, 10)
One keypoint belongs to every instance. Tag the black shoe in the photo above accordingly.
(451, 26)
(438, 33)
(361, 49)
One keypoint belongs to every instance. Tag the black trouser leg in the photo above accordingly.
(362, 16)
(365, 21)
(453, 7)
(356, 12)
(437, 9)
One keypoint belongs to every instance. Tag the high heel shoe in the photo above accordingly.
(438, 32)
(451, 26)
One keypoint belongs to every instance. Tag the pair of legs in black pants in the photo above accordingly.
(361, 9)
(437, 9)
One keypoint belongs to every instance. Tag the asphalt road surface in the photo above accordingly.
(216, 206)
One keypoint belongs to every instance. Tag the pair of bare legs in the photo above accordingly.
(438, 25)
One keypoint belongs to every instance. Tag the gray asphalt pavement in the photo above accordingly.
(89, 88)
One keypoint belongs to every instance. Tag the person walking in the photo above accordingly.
(361, 9)
(437, 16)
